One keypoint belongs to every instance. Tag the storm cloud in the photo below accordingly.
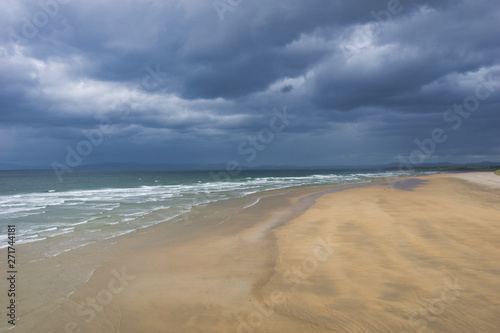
(191, 81)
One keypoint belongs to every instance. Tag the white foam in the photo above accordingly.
(31, 236)
(6, 210)
(70, 293)
(62, 232)
(252, 204)
(121, 233)
(56, 253)
(90, 275)
(23, 241)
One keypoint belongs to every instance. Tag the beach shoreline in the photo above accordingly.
(348, 258)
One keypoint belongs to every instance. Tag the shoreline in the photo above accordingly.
(62, 274)
(225, 262)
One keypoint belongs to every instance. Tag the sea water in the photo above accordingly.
(88, 206)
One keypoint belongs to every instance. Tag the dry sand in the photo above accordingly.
(378, 258)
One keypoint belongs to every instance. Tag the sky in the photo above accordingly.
(240, 82)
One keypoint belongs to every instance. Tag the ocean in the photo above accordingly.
(89, 206)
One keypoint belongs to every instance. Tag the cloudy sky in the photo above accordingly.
(288, 82)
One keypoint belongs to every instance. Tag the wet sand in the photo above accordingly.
(413, 256)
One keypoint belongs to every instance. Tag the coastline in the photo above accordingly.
(347, 258)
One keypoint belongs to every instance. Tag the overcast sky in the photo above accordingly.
(289, 82)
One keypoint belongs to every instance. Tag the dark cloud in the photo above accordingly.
(365, 79)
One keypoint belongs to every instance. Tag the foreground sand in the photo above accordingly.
(366, 259)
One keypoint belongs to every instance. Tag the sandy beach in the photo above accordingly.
(420, 256)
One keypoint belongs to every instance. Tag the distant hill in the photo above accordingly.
(11, 166)
(485, 165)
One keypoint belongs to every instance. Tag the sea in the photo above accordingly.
(90, 206)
